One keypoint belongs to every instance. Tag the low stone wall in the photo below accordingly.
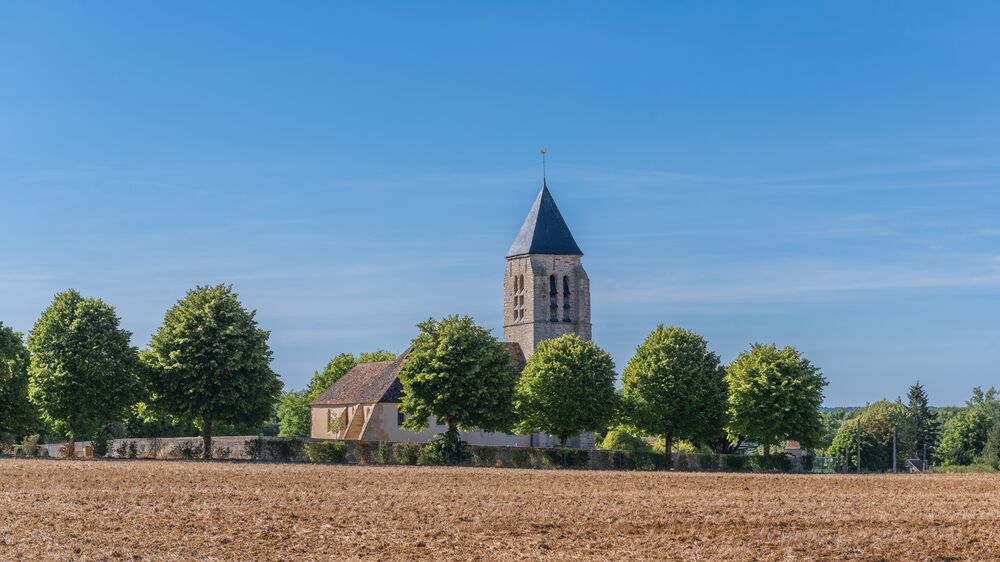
(384, 453)
(372, 453)
(223, 447)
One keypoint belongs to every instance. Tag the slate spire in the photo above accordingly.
(544, 231)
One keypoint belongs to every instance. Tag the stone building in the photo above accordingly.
(546, 295)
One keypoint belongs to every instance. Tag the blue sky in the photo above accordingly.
(823, 177)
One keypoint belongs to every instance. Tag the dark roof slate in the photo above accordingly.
(544, 231)
(378, 381)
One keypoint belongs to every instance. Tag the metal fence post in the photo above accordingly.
(893, 449)
(859, 445)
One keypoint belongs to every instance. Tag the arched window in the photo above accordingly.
(553, 296)
(566, 314)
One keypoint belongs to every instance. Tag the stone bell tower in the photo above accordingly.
(546, 290)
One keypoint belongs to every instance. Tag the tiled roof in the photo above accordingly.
(364, 383)
(378, 381)
(544, 231)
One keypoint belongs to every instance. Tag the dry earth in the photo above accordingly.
(89, 510)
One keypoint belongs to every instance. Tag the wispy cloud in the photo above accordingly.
(802, 279)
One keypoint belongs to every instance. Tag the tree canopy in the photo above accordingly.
(964, 436)
(877, 422)
(209, 362)
(923, 422)
(294, 416)
(567, 387)
(675, 387)
(339, 365)
(459, 373)
(83, 370)
(17, 415)
(774, 395)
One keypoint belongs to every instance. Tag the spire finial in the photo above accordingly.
(543, 164)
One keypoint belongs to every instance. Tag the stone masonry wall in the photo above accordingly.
(528, 311)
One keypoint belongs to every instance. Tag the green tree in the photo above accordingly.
(877, 422)
(17, 415)
(209, 363)
(567, 387)
(991, 452)
(339, 365)
(294, 416)
(832, 420)
(459, 373)
(83, 371)
(674, 387)
(964, 436)
(775, 395)
(922, 420)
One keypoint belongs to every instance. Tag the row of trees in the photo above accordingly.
(79, 375)
(209, 364)
(673, 387)
(950, 436)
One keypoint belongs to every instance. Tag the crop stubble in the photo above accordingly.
(88, 510)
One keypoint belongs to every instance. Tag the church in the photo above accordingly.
(546, 295)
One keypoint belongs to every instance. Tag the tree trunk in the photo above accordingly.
(562, 439)
(206, 436)
(668, 445)
(767, 450)
(452, 445)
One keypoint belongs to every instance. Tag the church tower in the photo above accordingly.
(546, 290)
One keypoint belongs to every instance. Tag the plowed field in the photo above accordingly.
(90, 510)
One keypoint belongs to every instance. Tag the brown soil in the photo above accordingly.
(89, 510)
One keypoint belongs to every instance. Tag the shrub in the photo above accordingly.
(100, 444)
(114, 430)
(330, 452)
(6, 446)
(484, 456)
(445, 450)
(133, 450)
(222, 452)
(384, 453)
(183, 450)
(621, 440)
(153, 447)
(407, 453)
(735, 462)
(29, 445)
(68, 450)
